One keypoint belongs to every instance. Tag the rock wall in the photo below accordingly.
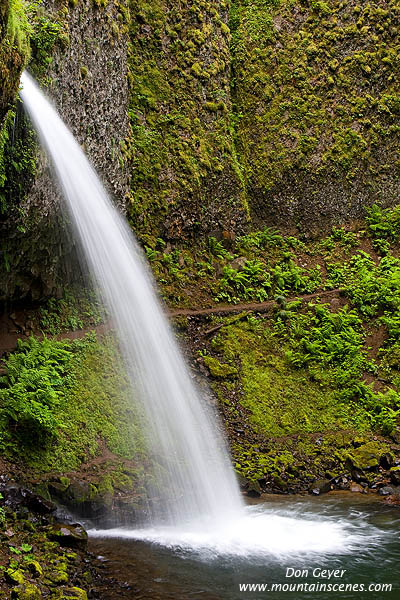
(186, 179)
(317, 98)
(80, 54)
(208, 118)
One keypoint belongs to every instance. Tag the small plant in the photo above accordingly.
(33, 388)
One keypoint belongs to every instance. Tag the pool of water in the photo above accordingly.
(297, 548)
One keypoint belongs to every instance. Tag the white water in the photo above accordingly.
(198, 489)
(197, 479)
(264, 531)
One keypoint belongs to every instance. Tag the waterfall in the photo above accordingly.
(195, 482)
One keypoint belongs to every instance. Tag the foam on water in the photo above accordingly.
(262, 531)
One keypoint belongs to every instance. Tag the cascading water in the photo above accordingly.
(197, 479)
(196, 482)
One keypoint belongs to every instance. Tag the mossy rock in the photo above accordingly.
(366, 457)
(57, 577)
(34, 567)
(73, 592)
(219, 370)
(71, 536)
(28, 591)
(395, 475)
(14, 576)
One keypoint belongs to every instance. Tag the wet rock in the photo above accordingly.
(254, 489)
(71, 536)
(242, 481)
(27, 591)
(395, 475)
(386, 461)
(357, 488)
(342, 483)
(280, 483)
(321, 486)
(387, 490)
(74, 592)
(80, 491)
(38, 504)
(16, 496)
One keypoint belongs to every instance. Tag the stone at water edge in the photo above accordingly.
(321, 486)
(387, 490)
(254, 489)
(357, 488)
(71, 536)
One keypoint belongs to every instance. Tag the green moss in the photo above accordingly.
(28, 591)
(367, 456)
(281, 400)
(300, 69)
(14, 576)
(95, 400)
(219, 370)
(179, 105)
(34, 567)
(14, 49)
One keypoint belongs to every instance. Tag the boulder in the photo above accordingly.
(321, 486)
(357, 488)
(254, 489)
(28, 591)
(395, 475)
(70, 536)
(16, 496)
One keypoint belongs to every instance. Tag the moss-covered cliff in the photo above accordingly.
(204, 119)
(185, 174)
(316, 97)
(79, 54)
(14, 50)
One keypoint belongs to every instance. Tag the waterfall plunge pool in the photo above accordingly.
(305, 537)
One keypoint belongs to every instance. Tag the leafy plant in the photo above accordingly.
(33, 388)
